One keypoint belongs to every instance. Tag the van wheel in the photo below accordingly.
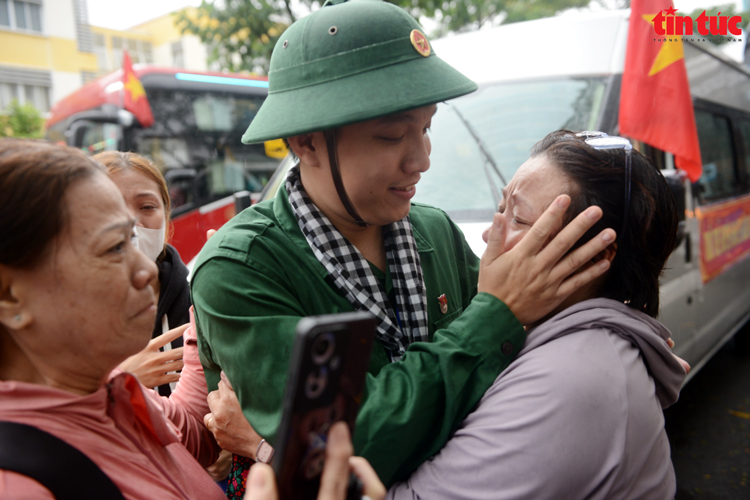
(742, 339)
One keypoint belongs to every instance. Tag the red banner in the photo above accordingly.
(725, 235)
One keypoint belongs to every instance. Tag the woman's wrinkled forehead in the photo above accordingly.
(536, 184)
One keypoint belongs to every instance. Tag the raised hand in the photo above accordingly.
(151, 366)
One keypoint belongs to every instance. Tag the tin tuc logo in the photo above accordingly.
(667, 23)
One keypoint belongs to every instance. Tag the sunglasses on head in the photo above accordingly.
(602, 141)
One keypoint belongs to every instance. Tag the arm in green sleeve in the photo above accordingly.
(246, 317)
(412, 407)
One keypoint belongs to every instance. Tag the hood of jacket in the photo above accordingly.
(173, 276)
(641, 330)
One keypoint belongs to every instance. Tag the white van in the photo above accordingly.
(564, 72)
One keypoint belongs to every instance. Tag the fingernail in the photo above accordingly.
(604, 264)
(608, 237)
(592, 213)
(563, 202)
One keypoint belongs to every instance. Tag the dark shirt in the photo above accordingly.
(174, 299)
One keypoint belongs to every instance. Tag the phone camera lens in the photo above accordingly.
(323, 348)
(316, 383)
(335, 363)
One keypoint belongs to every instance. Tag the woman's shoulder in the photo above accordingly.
(575, 369)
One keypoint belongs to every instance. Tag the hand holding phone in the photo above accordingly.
(329, 363)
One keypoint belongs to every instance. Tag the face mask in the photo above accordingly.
(150, 241)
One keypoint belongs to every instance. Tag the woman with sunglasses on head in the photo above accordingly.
(578, 414)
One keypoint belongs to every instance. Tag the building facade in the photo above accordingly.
(157, 42)
(46, 51)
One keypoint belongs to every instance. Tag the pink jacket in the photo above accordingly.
(145, 443)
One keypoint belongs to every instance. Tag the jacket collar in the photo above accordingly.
(282, 210)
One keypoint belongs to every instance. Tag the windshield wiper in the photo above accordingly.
(485, 153)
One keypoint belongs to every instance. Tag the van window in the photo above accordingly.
(719, 177)
(506, 120)
(744, 126)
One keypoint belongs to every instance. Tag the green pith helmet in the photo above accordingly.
(348, 62)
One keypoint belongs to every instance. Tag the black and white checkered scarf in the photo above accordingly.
(352, 276)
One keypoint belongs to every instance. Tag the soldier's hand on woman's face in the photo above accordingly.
(536, 275)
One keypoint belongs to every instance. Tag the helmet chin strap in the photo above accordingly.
(330, 136)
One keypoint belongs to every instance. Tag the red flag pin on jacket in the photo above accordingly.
(134, 96)
(655, 102)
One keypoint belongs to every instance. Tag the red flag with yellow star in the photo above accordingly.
(134, 96)
(655, 102)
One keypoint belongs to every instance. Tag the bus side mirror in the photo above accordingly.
(76, 133)
(676, 179)
(125, 118)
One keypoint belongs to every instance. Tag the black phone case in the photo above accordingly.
(329, 362)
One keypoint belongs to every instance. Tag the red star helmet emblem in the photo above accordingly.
(420, 42)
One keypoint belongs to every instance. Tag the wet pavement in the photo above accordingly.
(709, 430)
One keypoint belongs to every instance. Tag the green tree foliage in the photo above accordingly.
(724, 10)
(466, 15)
(241, 34)
(21, 121)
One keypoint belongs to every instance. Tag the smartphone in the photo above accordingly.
(327, 372)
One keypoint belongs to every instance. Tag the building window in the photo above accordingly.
(178, 58)
(20, 8)
(36, 95)
(148, 52)
(35, 15)
(4, 14)
(8, 92)
(21, 15)
(87, 76)
(100, 50)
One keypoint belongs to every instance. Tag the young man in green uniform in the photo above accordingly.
(353, 88)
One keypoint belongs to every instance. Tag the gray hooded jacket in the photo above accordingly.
(578, 415)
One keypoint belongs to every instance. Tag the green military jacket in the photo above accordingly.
(257, 277)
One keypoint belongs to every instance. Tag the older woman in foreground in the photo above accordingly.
(74, 303)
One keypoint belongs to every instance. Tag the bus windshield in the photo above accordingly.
(499, 124)
(201, 130)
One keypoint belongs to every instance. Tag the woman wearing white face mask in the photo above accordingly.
(147, 197)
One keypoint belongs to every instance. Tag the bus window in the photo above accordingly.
(719, 178)
(100, 137)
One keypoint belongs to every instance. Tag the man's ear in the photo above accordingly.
(308, 148)
(12, 315)
(608, 253)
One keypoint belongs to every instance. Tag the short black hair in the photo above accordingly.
(598, 178)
